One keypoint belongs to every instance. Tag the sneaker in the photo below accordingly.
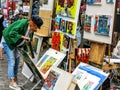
(14, 86)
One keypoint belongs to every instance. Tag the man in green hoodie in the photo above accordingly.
(16, 35)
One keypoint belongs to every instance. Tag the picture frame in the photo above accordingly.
(93, 2)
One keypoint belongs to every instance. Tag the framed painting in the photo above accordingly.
(50, 59)
(87, 23)
(102, 25)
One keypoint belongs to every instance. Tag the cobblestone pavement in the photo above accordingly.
(4, 82)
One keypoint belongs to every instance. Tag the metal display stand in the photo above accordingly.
(33, 69)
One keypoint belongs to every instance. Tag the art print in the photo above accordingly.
(51, 58)
(63, 25)
(93, 2)
(82, 55)
(103, 27)
(87, 23)
(66, 8)
(57, 23)
(48, 64)
(71, 28)
(56, 43)
(51, 80)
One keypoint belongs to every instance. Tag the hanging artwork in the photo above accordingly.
(102, 25)
(87, 23)
(57, 23)
(66, 8)
(63, 25)
(71, 28)
(93, 2)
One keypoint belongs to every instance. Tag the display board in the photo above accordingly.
(50, 59)
(85, 74)
(99, 21)
(67, 12)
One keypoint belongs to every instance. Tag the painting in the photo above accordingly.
(102, 25)
(87, 23)
(63, 25)
(51, 80)
(82, 55)
(57, 23)
(67, 8)
(51, 58)
(93, 2)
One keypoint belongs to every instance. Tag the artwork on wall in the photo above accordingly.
(50, 59)
(93, 2)
(66, 8)
(57, 23)
(87, 23)
(102, 25)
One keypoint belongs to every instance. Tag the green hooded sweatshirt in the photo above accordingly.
(13, 33)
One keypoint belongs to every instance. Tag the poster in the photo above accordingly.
(50, 59)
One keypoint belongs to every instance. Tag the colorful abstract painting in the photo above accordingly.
(87, 23)
(102, 25)
(51, 80)
(66, 8)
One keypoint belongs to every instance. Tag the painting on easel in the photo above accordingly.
(102, 25)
